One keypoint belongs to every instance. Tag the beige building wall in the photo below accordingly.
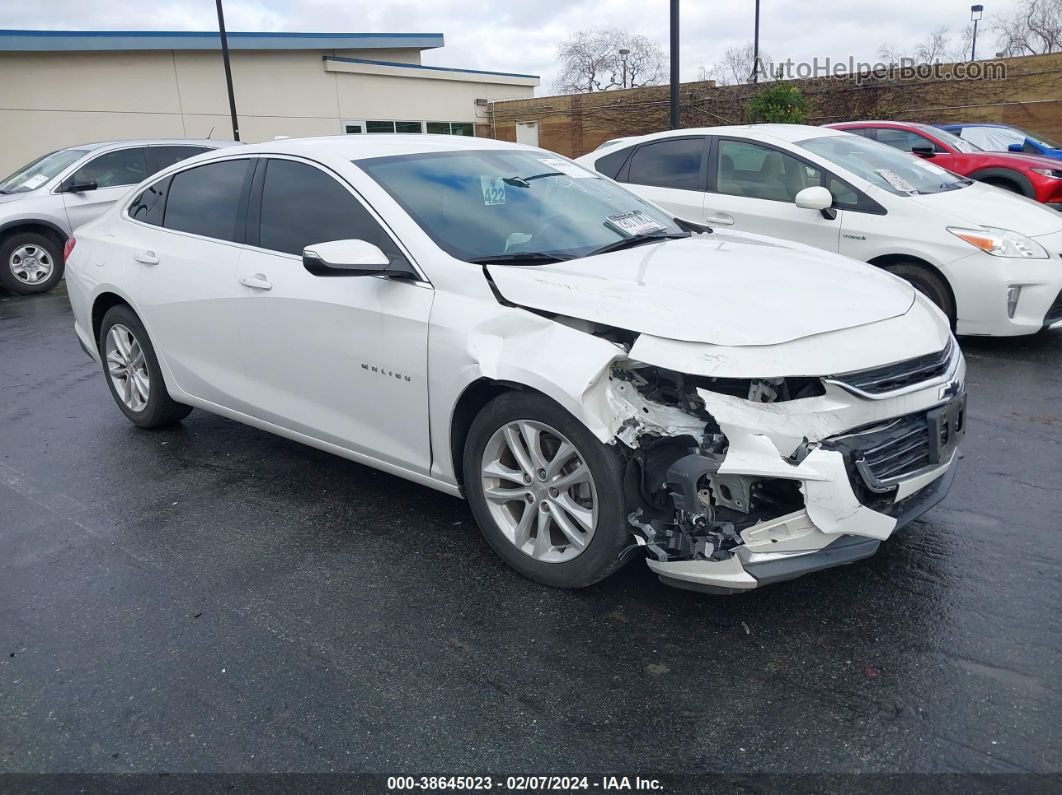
(50, 100)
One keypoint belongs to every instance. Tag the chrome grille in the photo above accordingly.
(904, 453)
(889, 452)
(894, 377)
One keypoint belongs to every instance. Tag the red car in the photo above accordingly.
(1039, 178)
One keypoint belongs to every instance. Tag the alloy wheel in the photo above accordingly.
(539, 491)
(127, 367)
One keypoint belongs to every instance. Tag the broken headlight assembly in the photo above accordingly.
(683, 506)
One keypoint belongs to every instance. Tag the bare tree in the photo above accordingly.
(736, 66)
(599, 60)
(1035, 27)
(938, 47)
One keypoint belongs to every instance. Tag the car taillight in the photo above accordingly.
(69, 248)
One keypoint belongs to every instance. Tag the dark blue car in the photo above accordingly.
(1004, 138)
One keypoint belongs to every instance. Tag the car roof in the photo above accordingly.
(789, 133)
(357, 147)
(971, 124)
(91, 147)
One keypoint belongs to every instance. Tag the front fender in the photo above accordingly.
(515, 347)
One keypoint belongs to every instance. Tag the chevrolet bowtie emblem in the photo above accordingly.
(949, 390)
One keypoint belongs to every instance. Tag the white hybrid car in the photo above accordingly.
(497, 322)
(988, 258)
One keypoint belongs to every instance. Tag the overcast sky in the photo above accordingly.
(522, 35)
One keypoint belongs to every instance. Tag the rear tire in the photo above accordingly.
(927, 282)
(30, 263)
(550, 544)
(133, 373)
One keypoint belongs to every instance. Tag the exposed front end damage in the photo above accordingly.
(734, 483)
(763, 439)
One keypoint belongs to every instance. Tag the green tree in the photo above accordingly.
(779, 102)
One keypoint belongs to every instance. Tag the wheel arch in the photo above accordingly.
(469, 404)
(101, 304)
(1016, 178)
(36, 225)
(886, 260)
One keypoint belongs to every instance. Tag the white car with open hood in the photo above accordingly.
(991, 259)
(600, 380)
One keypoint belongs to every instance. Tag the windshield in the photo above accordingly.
(40, 171)
(515, 205)
(890, 169)
(951, 139)
(1047, 143)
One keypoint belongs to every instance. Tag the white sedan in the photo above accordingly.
(497, 322)
(988, 258)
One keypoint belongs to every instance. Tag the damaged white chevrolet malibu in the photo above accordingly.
(599, 379)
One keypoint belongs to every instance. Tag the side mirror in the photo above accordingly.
(923, 150)
(79, 186)
(1016, 148)
(351, 258)
(816, 198)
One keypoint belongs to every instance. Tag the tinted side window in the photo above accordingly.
(610, 165)
(669, 164)
(150, 203)
(302, 205)
(124, 167)
(904, 140)
(205, 200)
(159, 157)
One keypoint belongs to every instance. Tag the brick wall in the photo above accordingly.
(1029, 97)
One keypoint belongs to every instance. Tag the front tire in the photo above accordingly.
(547, 495)
(30, 263)
(133, 373)
(929, 284)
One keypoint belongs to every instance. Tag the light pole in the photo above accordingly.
(623, 53)
(975, 16)
(674, 64)
(756, 47)
(228, 72)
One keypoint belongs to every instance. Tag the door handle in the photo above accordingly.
(147, 257)
(719, 220)
(256, 280)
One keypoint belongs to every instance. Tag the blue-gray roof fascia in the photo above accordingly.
(430, 68)
(111, 40)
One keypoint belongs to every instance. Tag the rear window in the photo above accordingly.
(610, 165)
(148, 205)
(670, 164)
(207, 200)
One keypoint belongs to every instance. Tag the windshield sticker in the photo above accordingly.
(633, 224)
(35, 181)
(895, 180)
(564, 167)
(493, 190)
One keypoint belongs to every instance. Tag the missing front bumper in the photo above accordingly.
(747, 569)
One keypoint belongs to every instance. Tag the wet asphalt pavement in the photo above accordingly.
(214, 598)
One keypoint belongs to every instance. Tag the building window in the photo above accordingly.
(394, 126)
(451, 128)
(432, 127)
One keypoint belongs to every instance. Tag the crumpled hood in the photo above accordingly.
(984, 205)
(723, 289)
